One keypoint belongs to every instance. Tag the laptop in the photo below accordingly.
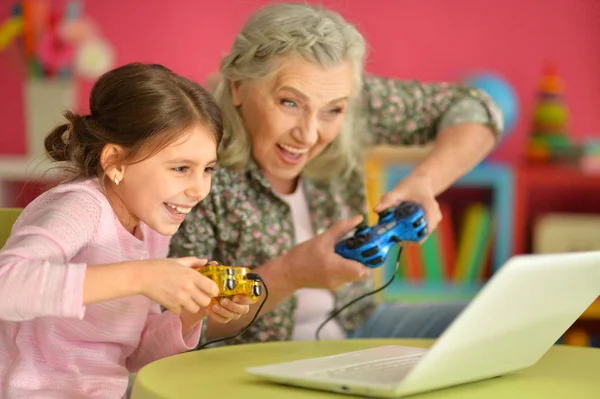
(514, 319)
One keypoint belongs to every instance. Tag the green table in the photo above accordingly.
(564, 372)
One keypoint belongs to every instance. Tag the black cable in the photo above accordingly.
(214, 341)
(335, 313)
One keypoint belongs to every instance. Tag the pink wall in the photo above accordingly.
(423, 39)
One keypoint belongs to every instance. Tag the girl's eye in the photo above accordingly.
(210, 169)
(336, 111)
(181, 169)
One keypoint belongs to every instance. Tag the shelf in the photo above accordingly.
(593, 312)
(541, 189)
(557, 175)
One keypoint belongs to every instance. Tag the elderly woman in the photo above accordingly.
(298, 111)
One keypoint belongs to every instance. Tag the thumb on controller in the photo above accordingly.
(191, 261)
(388, 200)
(342, 227)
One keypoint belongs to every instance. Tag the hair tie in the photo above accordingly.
(66, 136)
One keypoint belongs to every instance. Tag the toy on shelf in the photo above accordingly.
(549, 139)
(56, 43)
(590, 156)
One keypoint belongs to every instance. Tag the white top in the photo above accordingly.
(313, 305)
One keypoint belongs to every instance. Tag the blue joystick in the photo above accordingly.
(370, 245)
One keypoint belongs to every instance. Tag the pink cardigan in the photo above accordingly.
(51, 346)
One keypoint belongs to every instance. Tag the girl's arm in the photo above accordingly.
(164, 335)
(37, 277)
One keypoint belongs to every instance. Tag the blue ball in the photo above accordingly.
(501, 92)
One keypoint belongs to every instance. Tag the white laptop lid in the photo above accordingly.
(513, 321)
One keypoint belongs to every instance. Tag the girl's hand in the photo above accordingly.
(175, 284)
(417, 189)
(225, 310)
(222, 311)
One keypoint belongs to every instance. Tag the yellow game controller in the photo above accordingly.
(233, 280)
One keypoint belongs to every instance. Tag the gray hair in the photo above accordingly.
(319, 36)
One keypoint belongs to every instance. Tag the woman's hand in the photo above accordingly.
(417, 189)
(314, 263)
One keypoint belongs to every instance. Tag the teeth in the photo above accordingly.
(179, 209)
(293, 150)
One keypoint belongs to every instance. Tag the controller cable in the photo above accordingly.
(252, 276)
(336, 312)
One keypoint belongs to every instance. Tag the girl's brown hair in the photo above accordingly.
(140, 107)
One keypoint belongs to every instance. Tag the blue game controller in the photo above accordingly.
(370, 245)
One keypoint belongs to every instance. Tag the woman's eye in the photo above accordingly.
(288, 103)
(181, 169)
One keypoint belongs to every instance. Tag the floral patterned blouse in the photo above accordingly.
(243, 222)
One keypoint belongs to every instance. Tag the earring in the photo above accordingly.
(116, 180)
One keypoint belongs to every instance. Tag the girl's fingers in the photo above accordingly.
(224, 312)
(234, 307)
(216, 317)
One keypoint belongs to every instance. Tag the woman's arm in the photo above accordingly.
(457, 150)
(412, 113)
(464, 124)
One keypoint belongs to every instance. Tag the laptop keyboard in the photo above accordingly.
(386, 371)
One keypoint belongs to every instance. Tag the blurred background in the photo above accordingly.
(539, 59)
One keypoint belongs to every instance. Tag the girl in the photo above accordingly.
(84, 272)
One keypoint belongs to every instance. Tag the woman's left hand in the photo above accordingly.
(417, 189)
